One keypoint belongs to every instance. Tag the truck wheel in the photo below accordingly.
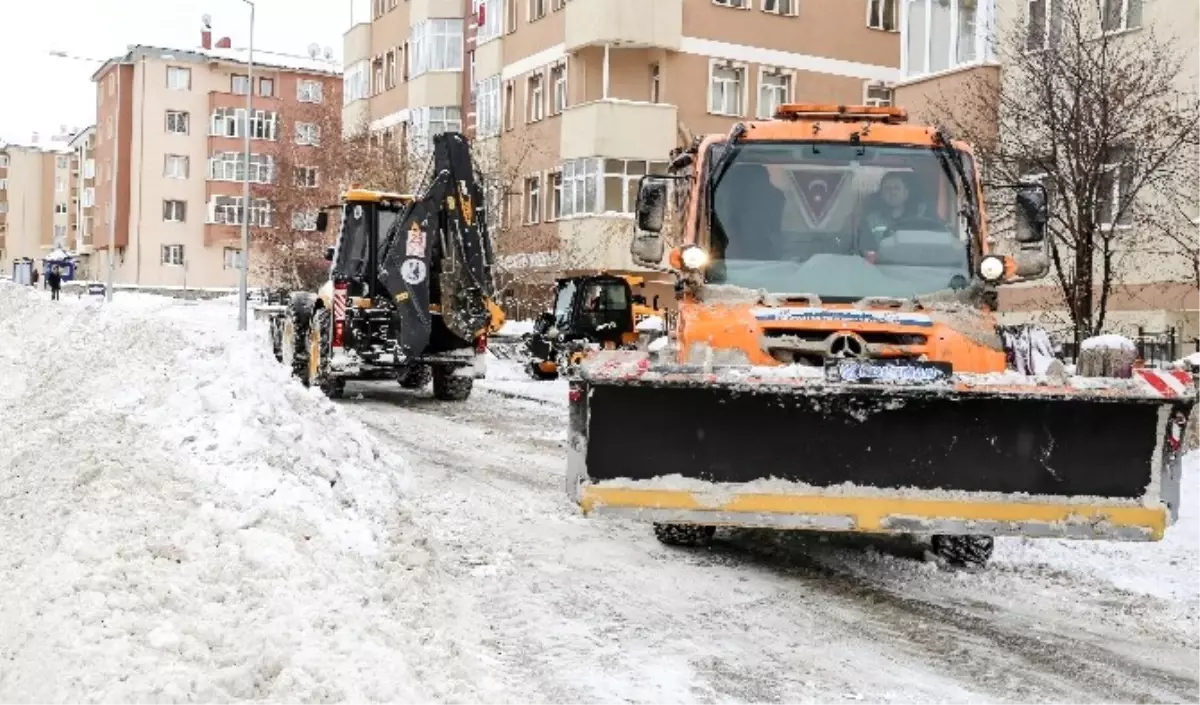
(964, 551)
(450, 387)
(320, 349)
(684, 534)
(416, 377)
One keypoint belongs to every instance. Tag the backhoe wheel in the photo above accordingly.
(320, 349)
(416, 377)
(293, 345)
(964, 551)
(450, 387)
(684, 534)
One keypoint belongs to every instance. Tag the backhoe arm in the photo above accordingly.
(438, 255)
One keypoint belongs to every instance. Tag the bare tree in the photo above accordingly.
(1099, 117)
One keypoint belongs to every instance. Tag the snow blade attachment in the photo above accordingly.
(788, 448)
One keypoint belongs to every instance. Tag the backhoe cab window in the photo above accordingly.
(606, 304)
(840, 221)
(351, 259)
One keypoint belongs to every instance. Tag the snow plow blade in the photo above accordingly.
(1085, 458)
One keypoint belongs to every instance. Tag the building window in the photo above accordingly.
(355, 83)
(510, 105)
(1116, 182)
(424, 123)
(3, 161)
(89, 169)
(881, 14)
(740, 4)
(89, 197)
(179, 79)
(1118, 15)
(487, 107)
(725, 89)
(266, 87)
(309, 91)
(558, 88)
(177, 122)
(232, 258)
(487, 19)
(230, 166)
(3, 184)
(172, 255)
(308, 133)
(510, 11)
(655, 83)
(377, 76)
(60, 208)
(389, 76)
(60, 184)
(239, 85)
(306, 176)
(780, 7)
(175, 166)
(878, 96)
(437, 45)
(774, 90)
(554, 193)
(533, 200)
(230, 122)
(591, 185)
(535, 107)
(61, 162)
(537, 9)
(305, 221)
(174, 211)
(942, 34)
(227, 210)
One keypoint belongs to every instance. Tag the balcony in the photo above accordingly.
(421, 10)
(435, 88)
(618, 128)
(625, 23)
(356, 43)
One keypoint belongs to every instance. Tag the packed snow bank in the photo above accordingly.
(179, 520)
(1109, 341)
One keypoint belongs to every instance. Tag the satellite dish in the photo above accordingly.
(314, 50)
(328, 54)
(207, 20)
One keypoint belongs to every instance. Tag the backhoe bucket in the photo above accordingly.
(801, 448)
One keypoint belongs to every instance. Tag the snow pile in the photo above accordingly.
(651, 324)
(515, 328)
(181, 521)
(1108, 341)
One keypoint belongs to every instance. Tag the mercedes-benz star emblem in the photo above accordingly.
(846, 345)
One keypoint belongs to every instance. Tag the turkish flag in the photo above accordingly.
(482, 12)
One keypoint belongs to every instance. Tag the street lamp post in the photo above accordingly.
(243, 280)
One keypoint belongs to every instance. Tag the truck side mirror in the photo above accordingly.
(328, 254)
(647, 249)
(651, 204)
(1033, 212)
(323, 222)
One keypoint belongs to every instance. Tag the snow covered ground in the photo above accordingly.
(181, 521)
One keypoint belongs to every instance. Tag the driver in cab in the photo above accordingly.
(891, 204)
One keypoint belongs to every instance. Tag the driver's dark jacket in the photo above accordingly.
(877, 221)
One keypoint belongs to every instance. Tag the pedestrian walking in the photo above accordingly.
(54, 280)
(33, 277)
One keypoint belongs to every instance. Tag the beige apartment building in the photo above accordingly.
(169, 136)
(571, 101)
(949, 44)
(37, 200)
(83, 146)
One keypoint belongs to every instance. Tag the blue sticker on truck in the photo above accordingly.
(842, 315)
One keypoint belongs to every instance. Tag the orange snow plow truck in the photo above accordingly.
(836, 364)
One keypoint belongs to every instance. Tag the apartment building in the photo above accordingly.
(37, 206)
(571, 101)
(169, 156)
(83, 198)
(949, 45)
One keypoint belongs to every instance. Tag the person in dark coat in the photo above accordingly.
(54, 280)
(33, 277)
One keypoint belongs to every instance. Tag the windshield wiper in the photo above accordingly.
(952, 164)
(724, 161)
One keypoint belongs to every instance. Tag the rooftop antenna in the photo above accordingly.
(314, 50)
(328, 53)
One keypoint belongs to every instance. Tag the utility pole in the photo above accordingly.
(243, 280)
(112, 202)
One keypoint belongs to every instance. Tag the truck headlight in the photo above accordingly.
(991, 269)
(693, 257)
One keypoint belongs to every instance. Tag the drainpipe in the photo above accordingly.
(142, 173)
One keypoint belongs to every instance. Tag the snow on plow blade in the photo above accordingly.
(997, 455)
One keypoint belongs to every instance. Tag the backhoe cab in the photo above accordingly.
(410, 287)
(836, 363)
(591, 312)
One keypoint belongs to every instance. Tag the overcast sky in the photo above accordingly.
(38, 93)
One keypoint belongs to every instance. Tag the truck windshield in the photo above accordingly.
(840, 221)
(350, 260)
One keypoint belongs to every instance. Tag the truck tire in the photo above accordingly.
(964, 551)
(319, 351)
(684, 534)
(416, 377)
(294, 352)
(448, 386)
